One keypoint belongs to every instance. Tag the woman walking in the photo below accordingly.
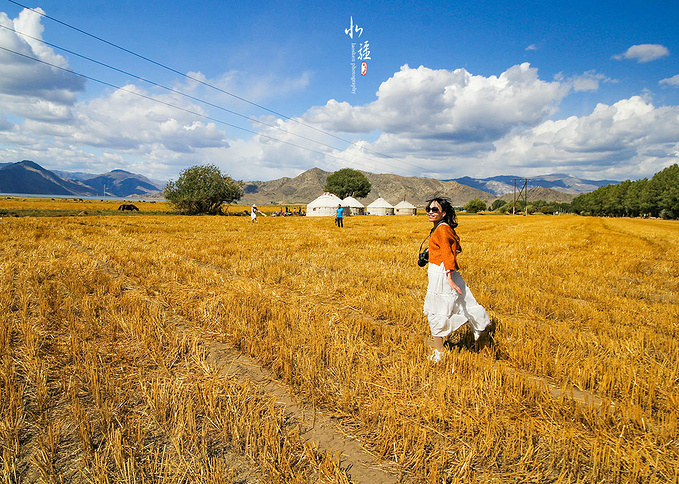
(449, 303)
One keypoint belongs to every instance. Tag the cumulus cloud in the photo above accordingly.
(121, 124)
(627, 138)
(125, 120)
(670, 81)
(421, 118)
(456, 106)
(644, 53)
(589, 81)
(25, 80)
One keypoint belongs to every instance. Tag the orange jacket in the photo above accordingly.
(444, 245)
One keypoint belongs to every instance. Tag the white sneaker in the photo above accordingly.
(436, 356)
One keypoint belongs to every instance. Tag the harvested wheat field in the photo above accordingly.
(160, 348)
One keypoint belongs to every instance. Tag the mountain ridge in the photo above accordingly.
(30, 178)
(394, 188)
(502, 184)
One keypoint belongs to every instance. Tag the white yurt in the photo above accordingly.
(405, 208)
(355, 207)
(380, 207)
(325, 206)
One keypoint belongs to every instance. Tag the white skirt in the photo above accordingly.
(447, 310)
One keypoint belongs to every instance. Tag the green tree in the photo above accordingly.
(515, 207)
(202, 189)
(475, 205)
(539, 206)
(347, 182)
(498, 203)
(658, 196)
(668, 182)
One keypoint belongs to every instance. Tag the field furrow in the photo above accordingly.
(124, 320)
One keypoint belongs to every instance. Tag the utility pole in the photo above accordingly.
(520, 184)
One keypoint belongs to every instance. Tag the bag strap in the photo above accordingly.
(432, 231)
(425, 239)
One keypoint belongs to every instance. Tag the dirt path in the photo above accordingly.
(317, 426)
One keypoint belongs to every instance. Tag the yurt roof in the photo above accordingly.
(326, 200)
(380, 203)
(352, 202)
(404, 204)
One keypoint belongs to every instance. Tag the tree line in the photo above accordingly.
(519, 206)
(657, 197)
(204, 189)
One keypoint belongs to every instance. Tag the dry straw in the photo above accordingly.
(105, 323)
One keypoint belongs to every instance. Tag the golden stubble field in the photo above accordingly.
(106, 326)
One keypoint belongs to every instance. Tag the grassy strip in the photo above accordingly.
(46, 212)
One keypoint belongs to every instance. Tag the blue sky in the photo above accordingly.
(451, 89)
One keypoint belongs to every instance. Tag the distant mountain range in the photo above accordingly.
(27, 177)
(394, 188)
(500, 185)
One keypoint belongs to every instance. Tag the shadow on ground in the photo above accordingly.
(463, 340)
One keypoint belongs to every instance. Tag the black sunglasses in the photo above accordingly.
(432, 209)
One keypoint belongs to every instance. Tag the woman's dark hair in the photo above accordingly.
(450, 218)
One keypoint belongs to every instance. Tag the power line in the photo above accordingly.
(200, 81)
(195, 113)
(175, 91)
(174, 106)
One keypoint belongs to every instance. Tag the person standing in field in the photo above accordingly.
(339, 219)
(253, 212)
(449, 302)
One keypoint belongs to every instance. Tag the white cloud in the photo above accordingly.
(532, 47)
(255, 88)
(455, 106)
(644, 53)
(39, 112)
(120, 125)
(589, 81)
(123, 120)
(422, 117)
(26, 81)
(670, 81)
(629, 138)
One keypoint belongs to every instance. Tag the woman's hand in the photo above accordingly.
(452, 285)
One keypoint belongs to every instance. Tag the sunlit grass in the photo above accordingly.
(80, 204)
(89, 329)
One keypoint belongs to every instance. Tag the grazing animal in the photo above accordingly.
(128, 206)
